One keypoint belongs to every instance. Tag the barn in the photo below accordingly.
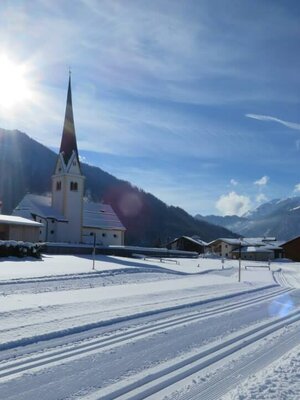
(19, 229)
(292, 249)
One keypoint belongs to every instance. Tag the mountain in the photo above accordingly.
(278, 217)
(27, 166)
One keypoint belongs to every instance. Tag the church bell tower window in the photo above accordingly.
(74, 186)
(58, 185)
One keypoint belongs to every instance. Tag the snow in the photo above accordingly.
(70, 331)
(281, 380)
(14, 220)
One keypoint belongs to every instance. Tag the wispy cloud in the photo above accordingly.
(292, 125)
(262, 181)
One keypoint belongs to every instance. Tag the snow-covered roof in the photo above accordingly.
(196, 240)
(37, 205)
(253, 249)
(233, 242)
(14, 220)
(290, 240)
(98, 215)
(95, 215)
(259, 241)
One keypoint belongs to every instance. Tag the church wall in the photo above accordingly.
(73, 206)
(62, 233)
(68, 201)
(58, 194)
(104, 237)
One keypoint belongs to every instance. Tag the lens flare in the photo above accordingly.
(130, 204)
(281, 307)
(13, 83)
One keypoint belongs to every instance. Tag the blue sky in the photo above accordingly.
(197, 102)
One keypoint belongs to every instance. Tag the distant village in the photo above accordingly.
(255, 249)
(69, 221)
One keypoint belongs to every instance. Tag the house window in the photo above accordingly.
(51, 232)
(115, 235)
(58, 185)
(103, 234)
(73, 186)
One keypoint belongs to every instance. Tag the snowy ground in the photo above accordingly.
(135, 329)
(281, 380)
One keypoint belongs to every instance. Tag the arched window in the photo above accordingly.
(58, 185)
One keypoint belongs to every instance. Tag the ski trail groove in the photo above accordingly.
(155, 382)
(10, 367)
(222, 383)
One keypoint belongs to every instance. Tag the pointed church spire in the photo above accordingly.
(68, 140)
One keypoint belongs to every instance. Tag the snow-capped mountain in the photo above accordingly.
(278, 217)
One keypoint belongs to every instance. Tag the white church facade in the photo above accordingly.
(66, 215)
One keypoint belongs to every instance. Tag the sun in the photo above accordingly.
(14, 87)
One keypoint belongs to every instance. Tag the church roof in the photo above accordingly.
(68, 140)
(37, 205)
(95, 215)
(98, 215)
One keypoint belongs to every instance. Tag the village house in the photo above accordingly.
(292, 249)
(188, 243)
(19, 229)
(257, 249)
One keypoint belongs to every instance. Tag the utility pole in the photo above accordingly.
(94, 249)
(240, 261)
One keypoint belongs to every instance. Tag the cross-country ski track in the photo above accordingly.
(197, 347)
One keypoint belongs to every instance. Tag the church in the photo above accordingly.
(66, 216)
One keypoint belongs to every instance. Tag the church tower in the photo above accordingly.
(68, 181)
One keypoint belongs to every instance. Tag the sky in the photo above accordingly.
(197, 102)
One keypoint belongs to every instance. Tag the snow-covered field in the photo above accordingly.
(159, 329)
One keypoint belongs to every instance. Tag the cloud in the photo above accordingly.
(292, 125)
(261, 198)
(233, 204)
(233, 182)
(262, 181)
(297, 188)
